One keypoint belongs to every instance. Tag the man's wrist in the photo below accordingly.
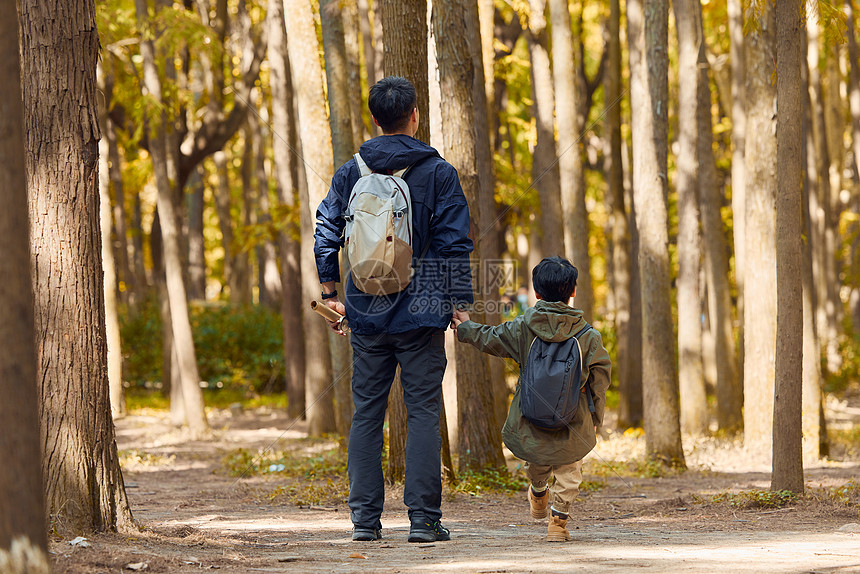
(328, 295)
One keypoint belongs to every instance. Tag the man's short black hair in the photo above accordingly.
(554, 279)
(391, 102)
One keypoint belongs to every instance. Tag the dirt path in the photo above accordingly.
(196, 516)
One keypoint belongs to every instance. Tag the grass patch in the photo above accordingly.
(847, 494)
(323, 461)
(637, 468)
(844, 443)
(140, 399)
(490, 480)
(752, 499)
(330, 492)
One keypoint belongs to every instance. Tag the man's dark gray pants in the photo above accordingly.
(421, 356)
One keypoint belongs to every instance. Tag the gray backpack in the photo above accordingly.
(551, 382)
(378, 231)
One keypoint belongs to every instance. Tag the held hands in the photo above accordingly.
(459, 317)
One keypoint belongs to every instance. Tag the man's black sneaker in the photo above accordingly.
(427, 532)
(360, 534)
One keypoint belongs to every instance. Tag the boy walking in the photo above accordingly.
(549, 452)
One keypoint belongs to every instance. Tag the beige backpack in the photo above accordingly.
(379, 231)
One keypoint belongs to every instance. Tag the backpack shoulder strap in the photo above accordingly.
(581, 331)
(362, 167)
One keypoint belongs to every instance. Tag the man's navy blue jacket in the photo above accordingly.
(440, 215)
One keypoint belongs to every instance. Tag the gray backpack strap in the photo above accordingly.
(362, 167)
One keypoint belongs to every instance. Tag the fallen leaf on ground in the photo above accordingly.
(357, 555)
(137, 566)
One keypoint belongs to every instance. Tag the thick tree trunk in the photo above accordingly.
(728, 388)
(23, 543)
(787, 449)
(694, 401)
(286, 176)
(725, 417)
(315, 136)
(545, 175)
(760, 247)
(480, 439)
(397, 431)
(853, 84)
(648, 38)
(570, 154)
(80, 467)
(192, 396)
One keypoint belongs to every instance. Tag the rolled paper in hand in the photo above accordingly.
(330, 314)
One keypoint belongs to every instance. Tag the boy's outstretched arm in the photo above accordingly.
(502, 340)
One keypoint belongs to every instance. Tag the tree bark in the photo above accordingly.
(480, 440)
(343, 146)
(812, 379)
(853, 83)
(725, 416)
(192, 396)
(545, 174)
(570, 154)
(80, 467)
(623, 256)
(397, 431)
(315, 136)
(728, 388)
(760, 285)
(787, 448)
(284, 147)
(23, 543)
(114, 344)
(694, 401)
(196, 241)
(648, 41)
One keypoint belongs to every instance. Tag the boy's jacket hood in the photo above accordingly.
(394, 152)
(554, 322)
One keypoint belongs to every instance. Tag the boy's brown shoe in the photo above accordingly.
(557, 530)
(538, 504)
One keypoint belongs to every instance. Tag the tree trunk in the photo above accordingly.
(623, 256)
(570, 164)
(286, 175)
(80, 467)
(192, 396)
(114, 344)
(487, 26)
(23, 543)
(853, 85)
(343, 146)
(812, 379)
(823, 242)
(545, 174)
(492, 275)
(760, 248)
(315, 136)
(648, 39)
(787, 448)
(196, 241)
(480, 439)
(397, 431)
(352, 40)
(725, 417)
(694, 401)
(404, 25)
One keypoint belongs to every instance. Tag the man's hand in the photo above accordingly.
(459, 317)
(335, 305)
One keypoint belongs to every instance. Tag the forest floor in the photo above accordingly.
(196, 514)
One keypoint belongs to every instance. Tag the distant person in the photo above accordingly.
(554, 415)
(398, 209)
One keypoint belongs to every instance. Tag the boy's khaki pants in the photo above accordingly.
(564, 490)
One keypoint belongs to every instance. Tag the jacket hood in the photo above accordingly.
(394, 152)
(554, 322)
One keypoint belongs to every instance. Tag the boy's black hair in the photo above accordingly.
(391, 102)
(554, 279)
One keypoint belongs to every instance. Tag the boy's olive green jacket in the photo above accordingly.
(551, 322)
